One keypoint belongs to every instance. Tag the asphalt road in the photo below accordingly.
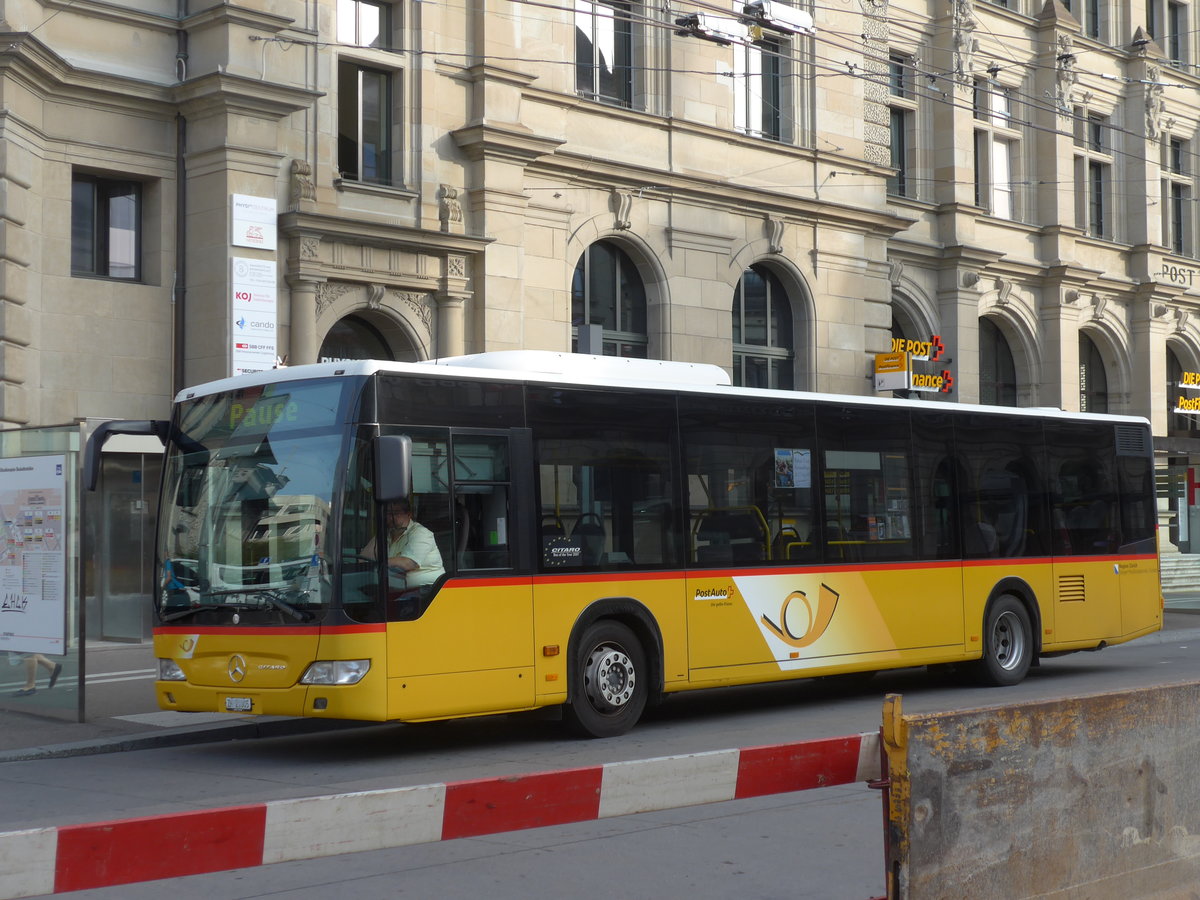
(814, 844)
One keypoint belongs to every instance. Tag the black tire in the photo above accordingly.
(1007, 642)
(608, 686)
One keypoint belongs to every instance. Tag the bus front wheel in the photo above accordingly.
(1007, 642)
(608, 686)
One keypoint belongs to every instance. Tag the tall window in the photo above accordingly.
(1167, 23)
(1093, 175)
(762, 332)
(604, 50)
(106, 227)
(607, 290)
(903, 118)
(996, 150)
(759, 71)
(997, 373)
(363, 23)
(1091, 15)
(1177, 216)
(364, 123)
(1093, 379)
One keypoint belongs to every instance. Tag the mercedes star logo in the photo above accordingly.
(236, 668)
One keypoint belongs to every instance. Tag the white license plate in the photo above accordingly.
(238, 704)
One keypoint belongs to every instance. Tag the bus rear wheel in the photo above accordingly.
(608, 684)
(1007, 642)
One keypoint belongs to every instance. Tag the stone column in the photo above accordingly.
(451, 317)
(302, 345)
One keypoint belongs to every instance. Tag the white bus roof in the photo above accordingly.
(549, 367)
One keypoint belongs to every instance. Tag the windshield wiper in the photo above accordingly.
(203, 607)
(272, 597)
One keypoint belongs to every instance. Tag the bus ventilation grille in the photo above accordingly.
(1071, 589)
(1131, 441)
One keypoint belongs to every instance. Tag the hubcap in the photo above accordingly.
(610, 678)
(1008, 641)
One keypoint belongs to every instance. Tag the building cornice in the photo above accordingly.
(225, 92)
(376, 233)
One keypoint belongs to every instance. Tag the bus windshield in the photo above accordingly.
(247, 495)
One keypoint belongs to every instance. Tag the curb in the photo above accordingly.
(103, 854)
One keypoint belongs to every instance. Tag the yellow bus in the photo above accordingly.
(601, 532)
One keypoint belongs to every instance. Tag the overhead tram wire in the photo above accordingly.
(828, 66)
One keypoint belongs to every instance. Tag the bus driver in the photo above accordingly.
(412, 550)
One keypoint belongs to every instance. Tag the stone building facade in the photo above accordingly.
(710, 182)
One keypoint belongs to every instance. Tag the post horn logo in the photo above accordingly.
(236, 668)
(801, 624)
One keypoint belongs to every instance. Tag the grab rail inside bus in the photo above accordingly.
(160, 428)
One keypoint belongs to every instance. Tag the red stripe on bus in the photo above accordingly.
(797, 767)
(121, 852)
(493, 805)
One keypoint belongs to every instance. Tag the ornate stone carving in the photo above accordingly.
(895, 271)
(1004, 289)
(1181, 321)
(375, 296)
(302, 185)
(329, 292)
(1099, 305)
(449, 207)
(774, 234)
(421, 305)
(622, 206)
(965, 42)
(1156, 105)
(1065, 76)
(456, 266)
(310, 247)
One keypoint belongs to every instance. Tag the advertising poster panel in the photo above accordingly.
(33, 557)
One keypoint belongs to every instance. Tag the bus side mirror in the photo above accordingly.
(393, 467)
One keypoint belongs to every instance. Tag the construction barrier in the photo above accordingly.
(1086, 797)
(100, 854)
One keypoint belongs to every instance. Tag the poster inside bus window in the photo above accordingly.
(793, 468)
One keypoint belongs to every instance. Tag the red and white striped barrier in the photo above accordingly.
(101, 854)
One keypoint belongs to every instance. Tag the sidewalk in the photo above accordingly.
(129, 719)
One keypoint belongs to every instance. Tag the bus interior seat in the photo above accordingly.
(589, 532)
(787, 540)
(729, 536)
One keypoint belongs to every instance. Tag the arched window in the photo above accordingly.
(997, 373)
(606, 290)
(353, 337)
(1093, 379)
(762, 332)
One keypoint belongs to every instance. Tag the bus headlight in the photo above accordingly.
(336, 671)
(168, 670)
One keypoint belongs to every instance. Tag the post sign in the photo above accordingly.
(33, 555)
(253, 315)
(1187, 406)
(892, 371)
(254, 221)
(925, 351)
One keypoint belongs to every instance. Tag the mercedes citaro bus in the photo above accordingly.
(615, 530)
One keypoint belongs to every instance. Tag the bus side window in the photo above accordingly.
(479, 530)
(1085, 498)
